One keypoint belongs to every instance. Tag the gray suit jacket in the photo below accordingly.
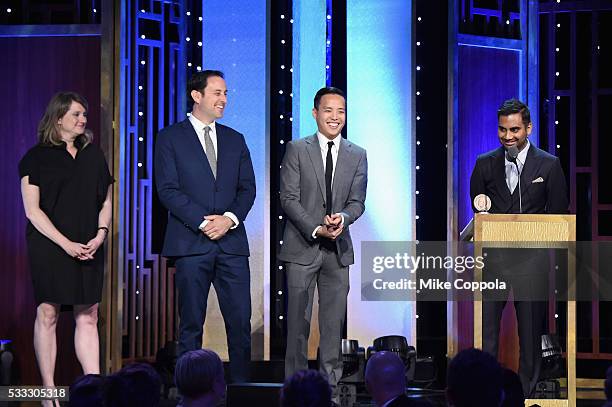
(302, 196)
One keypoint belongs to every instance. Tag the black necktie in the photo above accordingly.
(329, 169)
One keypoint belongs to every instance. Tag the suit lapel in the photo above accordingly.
(499, 168)
(342, 173)
(314, 152)
(223, 149)
(530, 168)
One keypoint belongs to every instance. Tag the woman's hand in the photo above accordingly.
(76, 250)
(94, 244)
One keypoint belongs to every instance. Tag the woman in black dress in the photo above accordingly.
(66, 190)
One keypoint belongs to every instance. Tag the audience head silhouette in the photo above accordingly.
(136, 385)
(513, 389)
(87, 391)
(385, 377)
(608, 384)
(306, 388)
(199, 378)
(474, 380)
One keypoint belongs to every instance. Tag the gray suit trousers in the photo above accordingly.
(332, 281)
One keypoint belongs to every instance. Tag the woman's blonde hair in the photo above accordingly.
(48, 129)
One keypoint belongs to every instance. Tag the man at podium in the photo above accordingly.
(518, 178)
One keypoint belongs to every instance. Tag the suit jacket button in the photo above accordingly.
(324, 205)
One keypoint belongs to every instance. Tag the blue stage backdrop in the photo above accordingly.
(380, 119)
(309, 59)
(234, 41)
(487, 76)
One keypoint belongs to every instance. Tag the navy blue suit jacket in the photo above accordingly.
(188, 189)
(548, 194)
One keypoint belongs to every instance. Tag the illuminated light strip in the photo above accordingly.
(239, 50)
(380, 115)
(309, 58)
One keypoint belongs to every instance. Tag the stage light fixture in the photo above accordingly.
(353, 372)
(6, 362)
(552, 358)
(552, 368)
(353, 360)
(165, 362)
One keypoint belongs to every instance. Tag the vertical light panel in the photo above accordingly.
(309, 58)
(234, 41)
(489, 75)
(380, 111)
(309, 55)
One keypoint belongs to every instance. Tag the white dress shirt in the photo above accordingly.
(198, 126)
(512, 176)
(334, 152)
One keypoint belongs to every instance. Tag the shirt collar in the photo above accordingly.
(199, 126)
(324, 140)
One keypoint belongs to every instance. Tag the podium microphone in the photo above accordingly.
(512, 153)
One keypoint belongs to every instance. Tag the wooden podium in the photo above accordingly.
(512, 229)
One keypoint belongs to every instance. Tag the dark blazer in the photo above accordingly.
(548, 196)
(188, 189)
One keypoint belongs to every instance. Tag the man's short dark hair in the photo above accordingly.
(512, 106)
(330, 90)
(513, 389)
(474, 379)
(306, 388)
(199, 80)
(87, 391)
(196, 372)
(136, 385)
(608, 384)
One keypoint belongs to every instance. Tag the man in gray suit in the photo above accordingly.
(323, 190)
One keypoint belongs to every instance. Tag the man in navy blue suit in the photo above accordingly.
(542, 189)
(204, 177)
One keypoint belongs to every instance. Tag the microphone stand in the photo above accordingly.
(512, 156)
(519, 186)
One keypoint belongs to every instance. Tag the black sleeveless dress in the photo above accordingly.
(72, 191)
